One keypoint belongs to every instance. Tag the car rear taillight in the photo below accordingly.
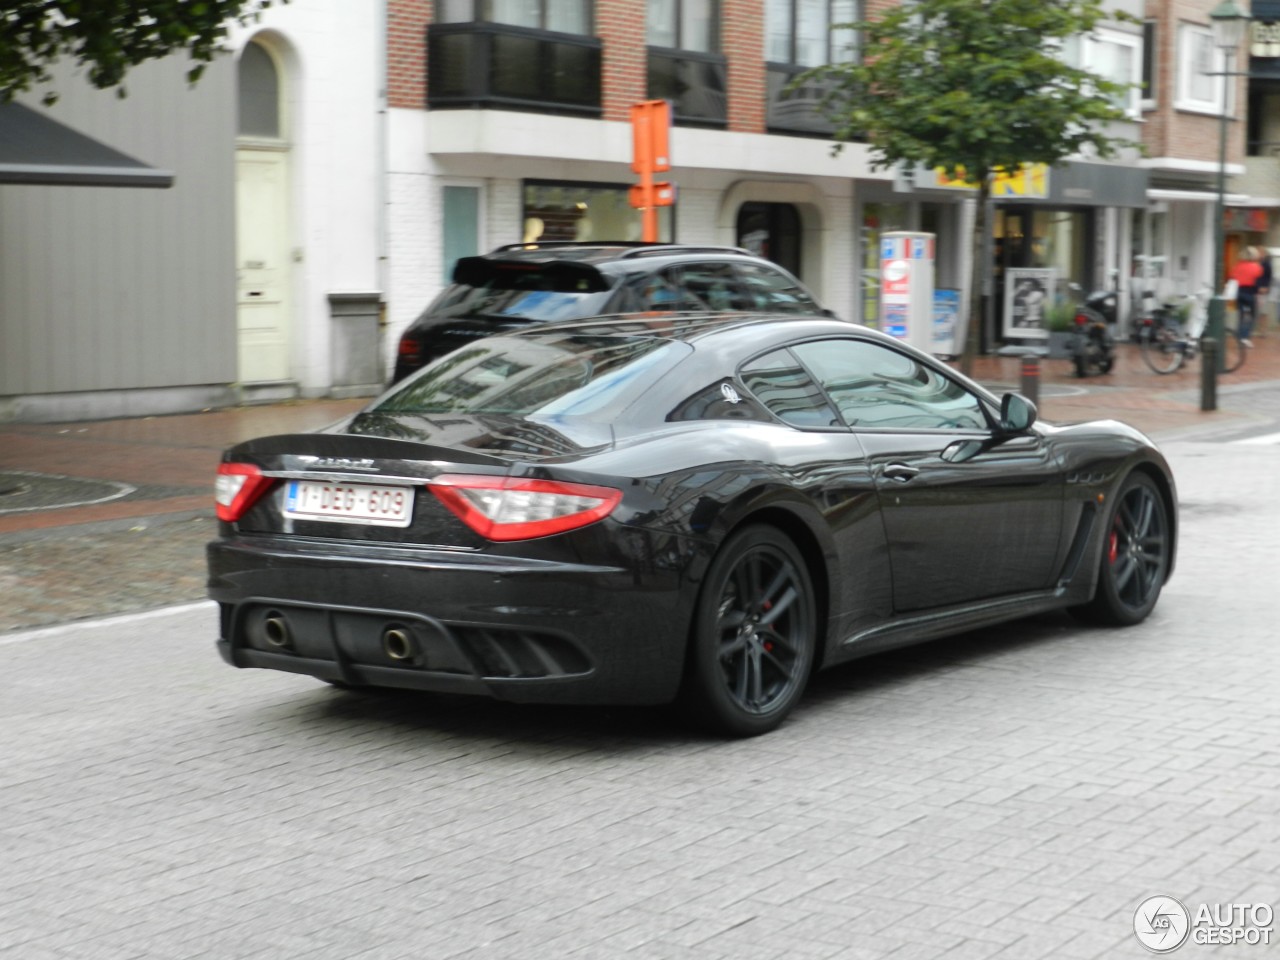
(238, 487)
(1082, 320)
(410, 348)
(509, 508)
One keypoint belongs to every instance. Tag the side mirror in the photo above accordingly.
(1017, 413)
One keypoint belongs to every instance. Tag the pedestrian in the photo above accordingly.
(1264, 290)
(1246, 273)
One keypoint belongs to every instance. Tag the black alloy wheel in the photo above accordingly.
(754, 635)
(1135, 555)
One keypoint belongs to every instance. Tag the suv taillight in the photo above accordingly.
(410, 348)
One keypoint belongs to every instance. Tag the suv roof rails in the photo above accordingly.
(665, 249)
(634, 248)
(540, 244)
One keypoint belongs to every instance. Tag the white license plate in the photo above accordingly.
(349, 503)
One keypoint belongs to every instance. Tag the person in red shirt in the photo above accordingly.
(1247, 273)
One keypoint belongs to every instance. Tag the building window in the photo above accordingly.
(515, 55)
(1111, 55)
(561, 16)
(800, 35)
(684, 62)
(804, 32)
(1200, 66)
(259, 94)
(1149, 60)
(683, 25)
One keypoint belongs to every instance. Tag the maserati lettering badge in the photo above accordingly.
(343, 463)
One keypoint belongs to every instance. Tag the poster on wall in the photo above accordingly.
(946, 314)
(1027, 293)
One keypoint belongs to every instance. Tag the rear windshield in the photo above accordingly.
(536, 377)
(553, 291)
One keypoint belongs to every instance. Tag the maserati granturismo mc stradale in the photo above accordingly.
(691, 508)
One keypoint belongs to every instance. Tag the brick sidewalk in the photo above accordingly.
(156, 467)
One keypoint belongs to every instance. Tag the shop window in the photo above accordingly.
(461, 237)
(586, 212)
(877, 219)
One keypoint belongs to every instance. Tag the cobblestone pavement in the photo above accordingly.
(1014, 793)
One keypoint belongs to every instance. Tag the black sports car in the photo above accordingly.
(692, 508)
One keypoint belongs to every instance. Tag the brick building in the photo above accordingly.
(508, 122)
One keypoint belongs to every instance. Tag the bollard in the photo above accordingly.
(1031, 378)
(1209, 374)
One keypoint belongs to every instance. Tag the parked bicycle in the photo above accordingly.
(1166, 345)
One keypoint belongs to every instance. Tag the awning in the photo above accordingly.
(35, 148)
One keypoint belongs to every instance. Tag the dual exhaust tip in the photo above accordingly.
(398, 642)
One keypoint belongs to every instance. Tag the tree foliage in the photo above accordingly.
(108, 37)
(977, 84)
(974, 87)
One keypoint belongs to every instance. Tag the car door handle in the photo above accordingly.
(900, 472)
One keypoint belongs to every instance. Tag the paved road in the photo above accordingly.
(1013, 794)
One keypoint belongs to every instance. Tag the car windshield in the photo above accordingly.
(538, 377)
(525, 291)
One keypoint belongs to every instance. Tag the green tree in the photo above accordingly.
(110, 36)
(974, 87)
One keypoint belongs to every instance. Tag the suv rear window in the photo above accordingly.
(562, 290)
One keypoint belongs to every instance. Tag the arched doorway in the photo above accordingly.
(772, 231)
(263, 239)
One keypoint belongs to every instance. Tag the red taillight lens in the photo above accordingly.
(238, 487)
(410, 349)
(1081, 320)
(509, 508)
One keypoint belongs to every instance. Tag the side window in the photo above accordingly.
(875, 386)
(656, 291)
(716, 285)
(779, 382)
(773, 290)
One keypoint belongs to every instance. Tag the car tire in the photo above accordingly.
(753, 636)
(1135, 556)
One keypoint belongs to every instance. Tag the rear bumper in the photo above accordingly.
(515, 629)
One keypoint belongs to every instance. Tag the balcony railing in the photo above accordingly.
(479, 64)
(695, 83)
(795, 111)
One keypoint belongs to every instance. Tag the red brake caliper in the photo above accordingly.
(1113, 546)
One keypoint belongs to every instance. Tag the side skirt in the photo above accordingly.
(917, 628)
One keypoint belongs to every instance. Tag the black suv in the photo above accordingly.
(526, 283)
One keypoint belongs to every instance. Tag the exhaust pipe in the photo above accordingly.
(275, 629)
(398, 643)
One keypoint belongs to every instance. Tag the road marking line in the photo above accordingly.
(1266, 439)
(60, 630)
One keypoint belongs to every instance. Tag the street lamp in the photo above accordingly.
(1229, 23)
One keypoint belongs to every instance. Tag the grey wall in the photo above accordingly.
(122, 288)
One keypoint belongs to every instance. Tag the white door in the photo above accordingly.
(262, 265)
